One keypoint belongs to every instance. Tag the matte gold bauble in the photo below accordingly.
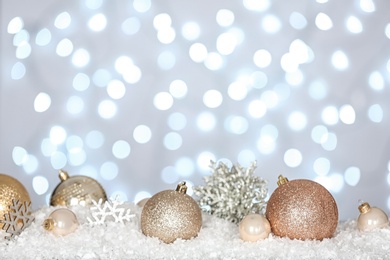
(302, 209)
(77, 190)
(11, 188)
(170, 215)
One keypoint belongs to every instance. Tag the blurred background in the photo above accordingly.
(142, 94)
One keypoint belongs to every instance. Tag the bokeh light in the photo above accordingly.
(141, 96)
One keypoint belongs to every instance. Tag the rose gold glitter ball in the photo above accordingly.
(302, 209)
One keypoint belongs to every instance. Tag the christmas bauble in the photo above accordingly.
(171, 214)
(61, 222)
(302, 209)
(254, 227)
(10, 188)
(371, 218)
(77, 190)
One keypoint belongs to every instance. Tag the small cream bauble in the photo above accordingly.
(61, 222)
(371, 218)
(254, 227)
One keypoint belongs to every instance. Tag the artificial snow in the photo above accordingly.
(218, 239)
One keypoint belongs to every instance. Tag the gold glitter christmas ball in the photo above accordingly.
(171, 214)
(302, 209)
(76, 190)
(10, 189)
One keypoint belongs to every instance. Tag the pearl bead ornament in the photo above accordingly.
(61, 222)
(371, 218)
(254, 227)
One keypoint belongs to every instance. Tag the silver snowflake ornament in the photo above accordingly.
(17, 219)
(233, 193)
(109, 211)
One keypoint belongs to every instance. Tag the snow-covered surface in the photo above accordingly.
(218, 239)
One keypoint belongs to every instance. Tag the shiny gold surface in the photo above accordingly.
(10, 188)
(48, 224)
(182, 187)
(282, 180)
(364, 207)
(170, 215)
(302, 209)
(76, 190)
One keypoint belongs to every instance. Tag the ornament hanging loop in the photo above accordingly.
(282, 180)
(181, 187)
(364, 207)
(63, 175)
(48, 224)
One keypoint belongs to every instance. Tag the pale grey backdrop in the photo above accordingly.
(302, 87)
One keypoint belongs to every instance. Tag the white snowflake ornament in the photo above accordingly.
(109, 210)
(17, 219)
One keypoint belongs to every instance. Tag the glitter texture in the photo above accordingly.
(170, 215)
(302, 209)
(10, 189)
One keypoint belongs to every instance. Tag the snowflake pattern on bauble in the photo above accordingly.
(17, 219)
(233, 193)
(109, 210)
